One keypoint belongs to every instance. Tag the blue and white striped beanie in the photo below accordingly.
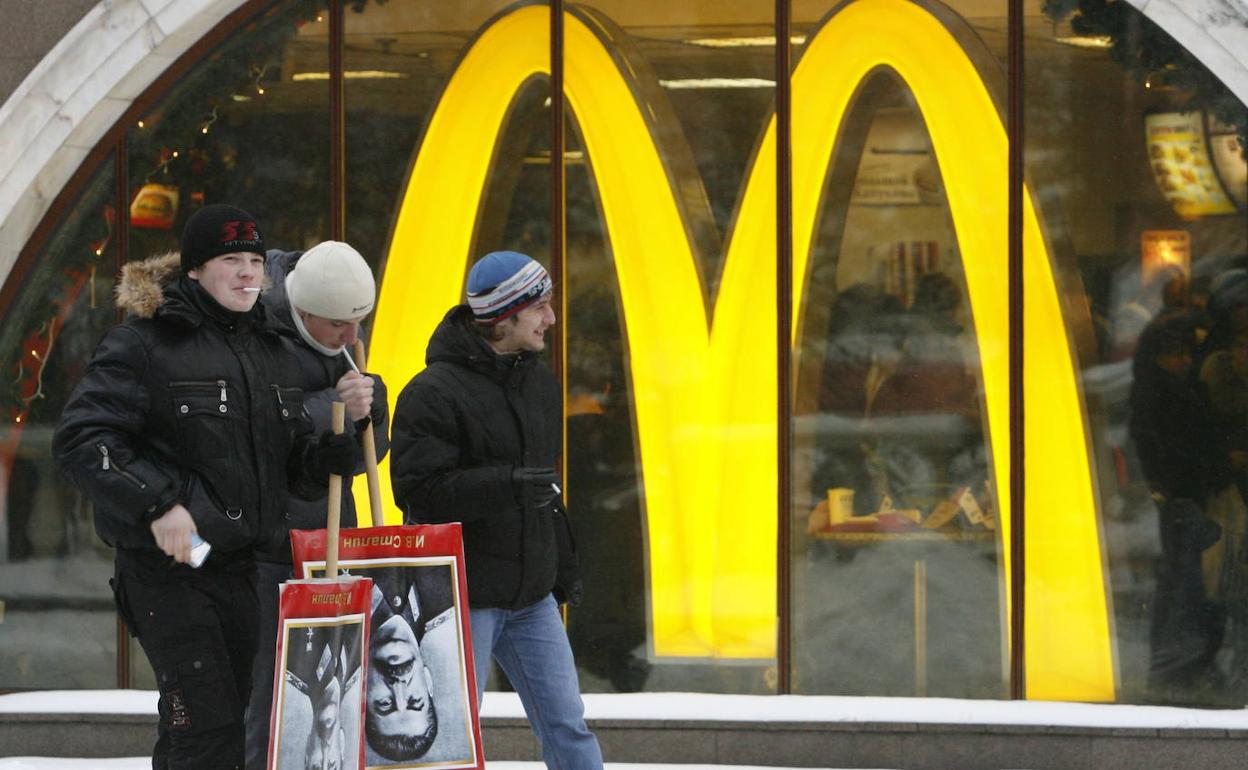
(502, 283)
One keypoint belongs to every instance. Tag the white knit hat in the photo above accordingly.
(332, 280)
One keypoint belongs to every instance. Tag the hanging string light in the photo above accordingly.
(211, 119)
(258, 70)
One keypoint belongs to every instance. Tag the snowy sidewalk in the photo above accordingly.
(744, 708)
(144, 763)
(772, 732)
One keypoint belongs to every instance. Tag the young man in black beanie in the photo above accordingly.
(186, 427)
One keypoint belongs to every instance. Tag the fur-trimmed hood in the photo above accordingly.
(141, 288)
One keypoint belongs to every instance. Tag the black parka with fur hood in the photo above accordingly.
(187, 402)
(459, 429)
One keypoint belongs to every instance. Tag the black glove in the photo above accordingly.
(540, 484)
(337, 453)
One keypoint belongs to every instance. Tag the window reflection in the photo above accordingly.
(1138, 168)
(1127, 139)
(402, 54)
(897, 579)
(704, 76)
(59, 618)
(247, 125)
(609, 632)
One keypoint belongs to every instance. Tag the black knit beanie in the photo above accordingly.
(218, 229)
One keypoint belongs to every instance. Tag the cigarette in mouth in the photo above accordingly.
(351, 361)
(251, 288)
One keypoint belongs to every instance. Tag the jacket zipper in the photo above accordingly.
(108, 464)
(221, 384)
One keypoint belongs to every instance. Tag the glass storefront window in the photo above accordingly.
(248, 125)
(59, 624)
(666, 111)
(448, 158)
(898, 586)
(397, 59)
(1135, 225)
(1131, 151)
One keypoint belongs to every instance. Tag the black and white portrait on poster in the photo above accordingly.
(317, 725)
(417, 710)
(419, 707)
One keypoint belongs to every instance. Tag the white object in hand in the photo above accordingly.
(199, 550)
(351, 361)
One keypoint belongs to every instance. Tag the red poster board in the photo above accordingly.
(318, 689)
(421, 691)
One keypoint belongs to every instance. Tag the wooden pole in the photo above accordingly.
(370, 452)
(334, 517)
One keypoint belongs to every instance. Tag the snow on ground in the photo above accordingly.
(144, 763)
(683, 706)
(762, 708)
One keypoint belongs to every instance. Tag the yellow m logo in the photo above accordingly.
(706, 413)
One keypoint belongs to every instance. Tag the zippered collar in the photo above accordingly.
(456, 341)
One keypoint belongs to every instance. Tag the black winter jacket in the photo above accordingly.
(310, 514)
(460, 427)
(187, 403)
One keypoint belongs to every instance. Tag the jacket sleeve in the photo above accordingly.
(380, 418)
(429, 486)
(319, 406)
(98, 443)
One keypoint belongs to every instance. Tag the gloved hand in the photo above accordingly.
(540, 483)
(337, 453)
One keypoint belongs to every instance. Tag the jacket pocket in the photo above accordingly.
(220, 521)
(210, 417)
(202, 412)
(108, 463)
(291, 408)
(196, 691)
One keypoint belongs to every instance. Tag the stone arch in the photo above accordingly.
(76, 94)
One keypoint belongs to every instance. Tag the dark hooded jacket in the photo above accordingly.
(310, 514)
(460, 428)
(187, 402)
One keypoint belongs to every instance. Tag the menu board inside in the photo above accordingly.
(1179, 153)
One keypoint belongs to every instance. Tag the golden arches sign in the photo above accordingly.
(706, 424)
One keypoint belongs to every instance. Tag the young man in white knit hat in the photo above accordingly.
(320, 296)
(477, 436)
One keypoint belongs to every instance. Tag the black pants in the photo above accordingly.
(269, 576)
(1187, 628)
(198, 629)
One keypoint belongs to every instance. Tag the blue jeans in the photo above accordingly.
(532, 647)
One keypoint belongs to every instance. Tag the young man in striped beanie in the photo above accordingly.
(475, 439)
